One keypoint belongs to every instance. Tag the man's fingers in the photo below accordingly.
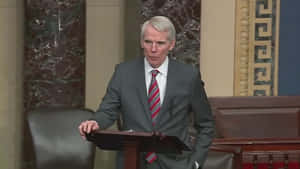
(89, 128)
(85, 127)
(80, 128)
(83, 136)
(95, 127)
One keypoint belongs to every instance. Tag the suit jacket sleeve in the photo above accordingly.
(203, 119)
(109, 108)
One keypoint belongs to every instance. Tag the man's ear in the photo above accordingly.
(172, 45)
(141, 43)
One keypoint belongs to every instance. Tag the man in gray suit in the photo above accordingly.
(156, 93)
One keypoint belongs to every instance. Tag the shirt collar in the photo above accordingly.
(163, 68)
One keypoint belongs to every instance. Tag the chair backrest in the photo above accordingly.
(56, 140)
(257, 123)
(257, 117)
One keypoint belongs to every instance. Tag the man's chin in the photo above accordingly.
(155, 64)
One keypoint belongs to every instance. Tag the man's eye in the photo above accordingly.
(161, 43)
(148, 41)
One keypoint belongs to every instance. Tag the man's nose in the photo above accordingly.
(154, 47)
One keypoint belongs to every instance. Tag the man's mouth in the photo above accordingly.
(154, 57)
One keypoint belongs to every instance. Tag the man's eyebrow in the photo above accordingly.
(161, 42)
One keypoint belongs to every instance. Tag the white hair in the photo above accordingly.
(161, 24)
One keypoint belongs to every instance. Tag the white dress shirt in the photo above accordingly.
(161, 77)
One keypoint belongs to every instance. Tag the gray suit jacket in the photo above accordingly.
(126, 94)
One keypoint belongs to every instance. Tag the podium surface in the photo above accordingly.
(132, 143)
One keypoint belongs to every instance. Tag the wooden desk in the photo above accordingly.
(262, 150)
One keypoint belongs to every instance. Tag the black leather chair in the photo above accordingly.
(56, 140)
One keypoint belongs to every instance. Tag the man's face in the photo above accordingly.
(156, 46)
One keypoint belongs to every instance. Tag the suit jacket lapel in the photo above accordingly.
(141, 89)
(171, 77)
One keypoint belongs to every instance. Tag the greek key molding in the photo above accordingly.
(256, 47)
(103, 2)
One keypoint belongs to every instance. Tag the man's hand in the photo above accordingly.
(87, 127)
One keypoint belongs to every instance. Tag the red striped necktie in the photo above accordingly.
(154, 103)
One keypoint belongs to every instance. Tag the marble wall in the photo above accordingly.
(54, 64)
(54, 58)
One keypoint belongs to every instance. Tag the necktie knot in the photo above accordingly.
(154, 72)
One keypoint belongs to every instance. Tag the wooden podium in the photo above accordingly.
(132, 143)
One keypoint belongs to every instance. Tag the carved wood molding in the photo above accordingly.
(256, 47)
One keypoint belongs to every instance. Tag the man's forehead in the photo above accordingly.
(155, 39)
(156, 36)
